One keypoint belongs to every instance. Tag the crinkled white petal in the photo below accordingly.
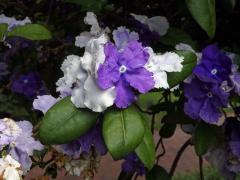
(77, 97)
(82, 39)
(160, 79)
(158, 24)
(44, 103)
(64, 89)
(159, 64)
(91, 19)
(96, 99)
(94, 54)
(10, 169)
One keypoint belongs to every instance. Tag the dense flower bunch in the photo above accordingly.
(120, 88)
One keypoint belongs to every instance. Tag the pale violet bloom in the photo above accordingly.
(9, 131)
(10, 169)
(160, 64)
(157, 24)
(23, 146)
(12, 22)
(44, 103)
(122, 36)
(80, 76)
(95, 31)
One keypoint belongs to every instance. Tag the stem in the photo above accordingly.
(201, 168)
(178, 156)
(143, 111)
(163, 148)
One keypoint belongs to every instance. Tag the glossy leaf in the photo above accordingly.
(64, 123)
(123, 131)
(176, 36)
(205, 137)
(157, 173)
(203, 11)
(190, 61)
(31, 31)
(146, 150)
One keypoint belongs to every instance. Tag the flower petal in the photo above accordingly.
(44, 103)
(158, 24)
(140, 79)
(124, 94)
(96, 99)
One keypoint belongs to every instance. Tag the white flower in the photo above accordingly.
(10, 169)
(80, 75)
(157, 24)
(160, 64)
(44, 103)
(96, 31)
(12, 22)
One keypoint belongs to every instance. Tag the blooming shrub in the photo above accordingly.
(80, 79)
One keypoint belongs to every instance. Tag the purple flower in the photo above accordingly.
(215, 65)
(235, 79)
(23, 146)
(124, 70)
(85, 142)
(30, 85)
(204, 101)
(133, 164)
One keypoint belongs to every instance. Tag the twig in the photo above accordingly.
(201, 168)
(178, 156)
(160, 142)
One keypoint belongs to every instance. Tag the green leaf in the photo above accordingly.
(3, 30)
(31, 31)
(146, 150)
(64, 123)
(123, 131)
(167, 130)
(190, 61)
(89, 5)
(203, 11)
(206, 136)
(157, 173)
(149, 99)
(176, 36)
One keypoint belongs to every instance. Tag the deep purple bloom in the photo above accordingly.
(30, 85)
(204, 100)
(124, 70)
(133, 164)
(92, 138)
(215, 65)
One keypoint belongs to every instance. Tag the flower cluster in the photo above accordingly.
(16, 139)
(111, 73)
(214, 79)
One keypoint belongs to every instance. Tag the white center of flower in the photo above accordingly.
(25, 81)
(122, 69)
(209, 94)
(214, 71)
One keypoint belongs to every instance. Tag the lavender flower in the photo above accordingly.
(23, 146)
(215, 65)
(204, 101)
(44, 103)
(235, 79)
(125, 70)
(30, 85)
(133, 164)
(9, 131)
